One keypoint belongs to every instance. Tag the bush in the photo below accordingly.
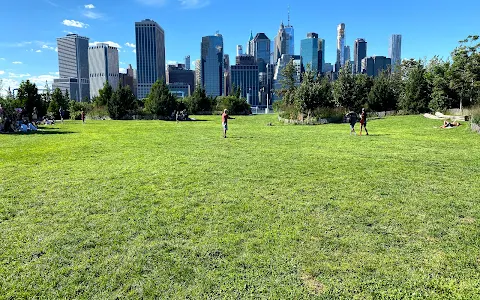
(476, 115)
(234, 105)
(333, 115)
(76, 108)
(98, 112)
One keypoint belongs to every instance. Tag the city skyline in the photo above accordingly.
(28, 52)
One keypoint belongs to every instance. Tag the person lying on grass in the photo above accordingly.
(447, 124)
(225, 118)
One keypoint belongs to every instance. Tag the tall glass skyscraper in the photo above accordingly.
(340, 45)
(73, 67)
(281, 44)
(261, 48)
(311, 53)
(212, 64)
(150, 41)
(359, 53)
(395, 50)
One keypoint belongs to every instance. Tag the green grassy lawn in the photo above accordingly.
(152, 209)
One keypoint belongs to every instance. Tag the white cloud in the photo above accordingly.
(13, 75)
(17, 62)
(134, 50)
(190, 4)
(172, 62)
(2, 72)
(1, 58)
(130, 45)
(122, 70)
(74, 23)
(38, 80)
(92, 15)
(56, 49)
(68, 32)
(110, 43)
(38, 51)
(89, 6)
(54, 73)
(47, 47)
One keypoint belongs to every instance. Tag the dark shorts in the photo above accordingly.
(352, 125)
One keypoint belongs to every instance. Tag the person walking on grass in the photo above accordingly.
(60, 111)
(352, 119)
(363, 121)
(225, 118)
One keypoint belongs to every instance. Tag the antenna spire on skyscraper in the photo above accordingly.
(289, 15)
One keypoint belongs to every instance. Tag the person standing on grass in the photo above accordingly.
(352, 119)
(60, 111)
(83, 116)
(225, 118)
(363, 121)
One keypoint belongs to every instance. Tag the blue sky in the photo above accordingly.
(30, 27)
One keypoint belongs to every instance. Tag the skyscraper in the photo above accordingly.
(226, 74)
(150, 41)
(311, 52)
(103, 66)
(133, 73)
(212, 64)
(373, 65)
(280, 44)
(178, 73)
(261, 48)
(278, 77)
(346, 55)
(395, 50)
(198, 72)
(187, 62)
(340, 45)
(246, 77)
(290, 36)
(73, 67)
(359, 53)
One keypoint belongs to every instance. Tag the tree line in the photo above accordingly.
(414, 86)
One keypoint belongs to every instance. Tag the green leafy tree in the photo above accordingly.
(198, 101)
(313, 93)
(56, 101)
(160, 101)
(104, 95)
(344, 88)
(382, 95)
(416, 92)
(29, 98)
(437, 75)
(363, 85)
(465, 71)
(66, 97)
(122, 101)
(234, 105)
(288, 83)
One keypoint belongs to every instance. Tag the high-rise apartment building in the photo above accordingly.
(359, 53)
(103, 66)
(311, 52)
(212, 64)
(395, 50)
(261, 48)
(73, 67)
(340, 46)
(374, 65)
(187, 62)
(150, 43)
(178, 73)
(281, 44)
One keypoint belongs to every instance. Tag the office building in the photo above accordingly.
(150, 43)
(73, 67)
(245, 60)
(374, 65)
(346, 54)
(311, 52)
(226, 74)
(187, 62)
(247, 79)
(179, 89)
(280, 44)
(239, 50)
(359, 53)
(178, 73)
(133, 73)
(198, 72)
(212, 64)
(103, 66)
(340, 46)
(395, 50)
(261, 48)
(126, 80)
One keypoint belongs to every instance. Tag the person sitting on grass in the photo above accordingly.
(225, 118)
(448, 124)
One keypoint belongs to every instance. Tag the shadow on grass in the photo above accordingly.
(40, 132)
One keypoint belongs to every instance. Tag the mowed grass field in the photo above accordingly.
(153, 209)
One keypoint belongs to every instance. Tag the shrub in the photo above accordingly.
(476, 115)
(234, 105)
